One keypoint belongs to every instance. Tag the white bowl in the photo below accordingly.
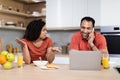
(40, 63)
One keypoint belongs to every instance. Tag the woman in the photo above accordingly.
(35, 44)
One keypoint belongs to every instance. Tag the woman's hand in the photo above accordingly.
(51, 53)
(25, 51)
(21, 42)
(56, 49)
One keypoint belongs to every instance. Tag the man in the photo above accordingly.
(87, 39)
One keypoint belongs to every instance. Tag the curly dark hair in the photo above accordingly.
(33, 30)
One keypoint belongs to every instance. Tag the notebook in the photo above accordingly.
(85, 60)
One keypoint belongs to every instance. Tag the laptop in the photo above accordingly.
(85, 60)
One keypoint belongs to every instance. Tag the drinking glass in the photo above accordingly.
(20, 60)
(105, 61)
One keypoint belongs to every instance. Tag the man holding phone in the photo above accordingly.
(87, 39)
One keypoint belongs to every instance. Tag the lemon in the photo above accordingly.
(7, 65)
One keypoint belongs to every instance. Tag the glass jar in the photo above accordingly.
(1, 22)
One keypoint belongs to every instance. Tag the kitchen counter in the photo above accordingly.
(31, 72)
(64, 59)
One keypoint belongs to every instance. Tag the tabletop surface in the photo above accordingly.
(32, 72)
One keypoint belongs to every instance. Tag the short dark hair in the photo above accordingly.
(87, 18)
(33, 30)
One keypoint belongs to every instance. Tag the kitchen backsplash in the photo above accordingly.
(9, 36)
(59, 37)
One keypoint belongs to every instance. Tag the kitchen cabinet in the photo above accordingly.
(82, 8)
(21, 11)
(93, 10)
(68, 13)
(59, 13)
(79, 11)
(110, 13)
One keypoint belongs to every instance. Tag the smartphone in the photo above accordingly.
(89, 33)
(93, 29)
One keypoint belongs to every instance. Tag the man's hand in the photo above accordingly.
(91, 37)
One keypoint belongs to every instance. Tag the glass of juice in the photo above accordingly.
(20, 60)
(105, 61)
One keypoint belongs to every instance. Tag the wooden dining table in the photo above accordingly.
(62, 72)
